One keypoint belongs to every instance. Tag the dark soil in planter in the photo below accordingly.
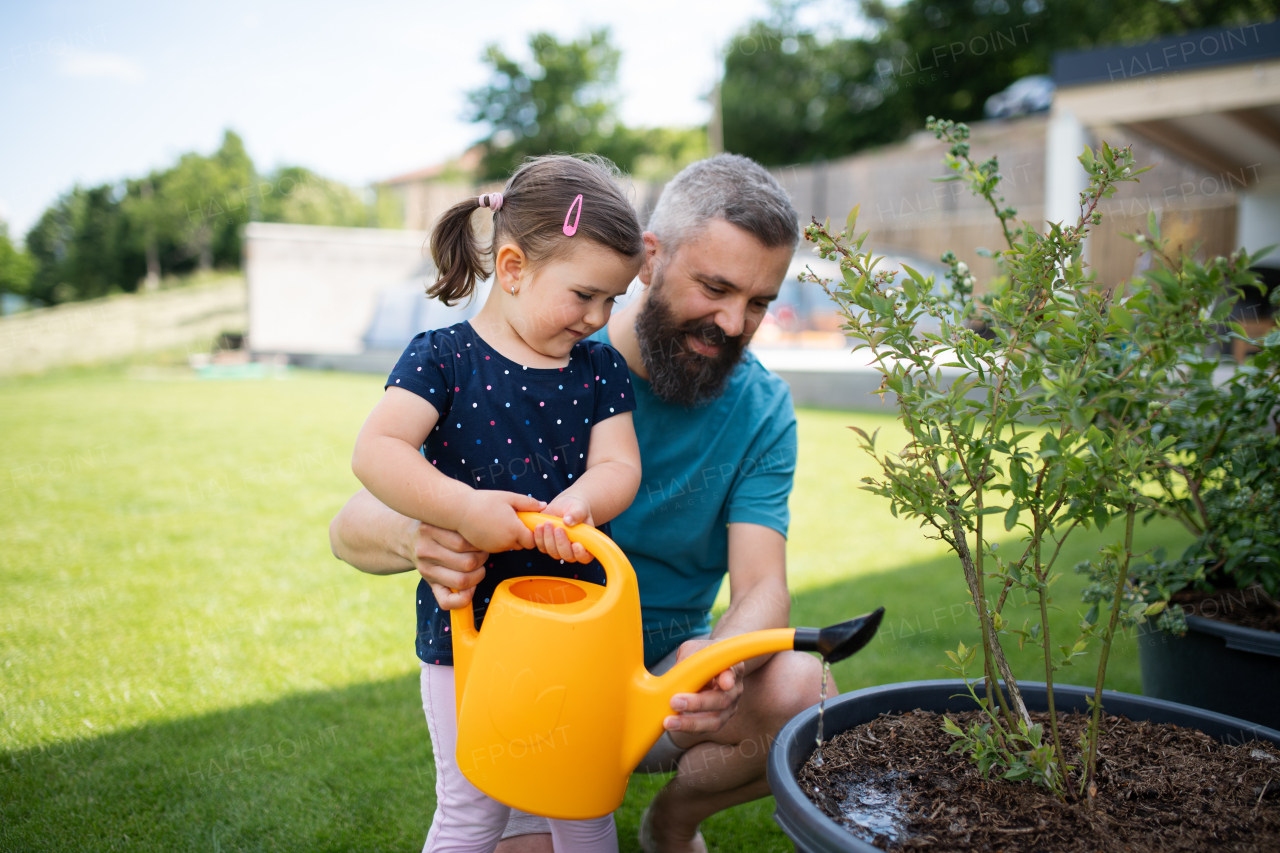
(1250, 607)
(1160, 788)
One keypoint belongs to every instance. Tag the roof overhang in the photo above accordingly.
(1211, 97)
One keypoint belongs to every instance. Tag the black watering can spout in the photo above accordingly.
(837, 642)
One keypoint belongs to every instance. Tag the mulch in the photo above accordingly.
(1250, 607)
(1160, 787)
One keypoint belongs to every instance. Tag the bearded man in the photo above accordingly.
(717, 437)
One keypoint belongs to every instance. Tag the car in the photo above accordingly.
(1026, 95)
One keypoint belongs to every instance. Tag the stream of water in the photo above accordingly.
(822, 707)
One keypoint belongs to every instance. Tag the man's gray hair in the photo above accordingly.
(731, 187)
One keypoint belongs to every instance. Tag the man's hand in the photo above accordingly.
(447, 562)
(712, 706)
(553, 541)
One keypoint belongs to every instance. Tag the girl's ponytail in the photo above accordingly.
(457, 254)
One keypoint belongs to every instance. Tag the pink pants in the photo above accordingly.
(466, 819)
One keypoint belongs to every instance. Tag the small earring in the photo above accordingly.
(513, 290)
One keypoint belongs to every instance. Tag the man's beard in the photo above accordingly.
(678, 374)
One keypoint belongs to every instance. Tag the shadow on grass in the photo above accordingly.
(345, 769)
(339, 770)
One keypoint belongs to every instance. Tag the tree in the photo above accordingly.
(16, 265)
(789, 95)
(152, 224)
(564, 101)
(110, 238)
(302, 197)
(83, 247)
(207, 198)
(664, 151)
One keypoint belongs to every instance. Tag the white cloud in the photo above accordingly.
(86, 64)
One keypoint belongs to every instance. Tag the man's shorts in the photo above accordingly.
(662, 757)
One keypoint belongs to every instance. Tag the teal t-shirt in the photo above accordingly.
(730, 460)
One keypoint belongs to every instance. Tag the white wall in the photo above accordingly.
(1064, 177)
(314, 289)
(1258, 220)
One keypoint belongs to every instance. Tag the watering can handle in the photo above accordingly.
(617, 568)
(619, 576)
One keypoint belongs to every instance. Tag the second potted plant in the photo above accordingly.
(1217, 644)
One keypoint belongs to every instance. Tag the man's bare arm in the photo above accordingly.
(376, 539)
(369, 535)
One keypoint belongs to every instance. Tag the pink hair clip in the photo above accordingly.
(570, 230)
(491, 200)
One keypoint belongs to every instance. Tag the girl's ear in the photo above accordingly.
(510, 265)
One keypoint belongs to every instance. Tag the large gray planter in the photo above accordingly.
(813, 832)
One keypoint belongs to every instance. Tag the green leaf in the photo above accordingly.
(1153, 609)
(1011, 517)
(855, 282)
(1086, 159)
(1017, 477)
(1122, 316)
(852, 221)
(919, 279)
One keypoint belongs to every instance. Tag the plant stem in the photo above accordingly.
(993, 685)
(1043, 589)
(971, 577)
(1122, 575)
(980, 601)
(973, 574)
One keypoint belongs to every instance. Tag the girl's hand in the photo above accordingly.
(553, 541)
(490, 522)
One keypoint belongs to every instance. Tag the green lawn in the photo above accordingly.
(185, 666)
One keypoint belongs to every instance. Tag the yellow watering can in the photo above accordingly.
(555, 706)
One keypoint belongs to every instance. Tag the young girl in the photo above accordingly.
(515, 410)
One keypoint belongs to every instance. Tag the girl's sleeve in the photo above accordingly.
(424, 370)
(614, 394)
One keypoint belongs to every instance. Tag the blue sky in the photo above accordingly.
(356, 91)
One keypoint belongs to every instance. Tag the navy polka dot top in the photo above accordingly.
(508, 427)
